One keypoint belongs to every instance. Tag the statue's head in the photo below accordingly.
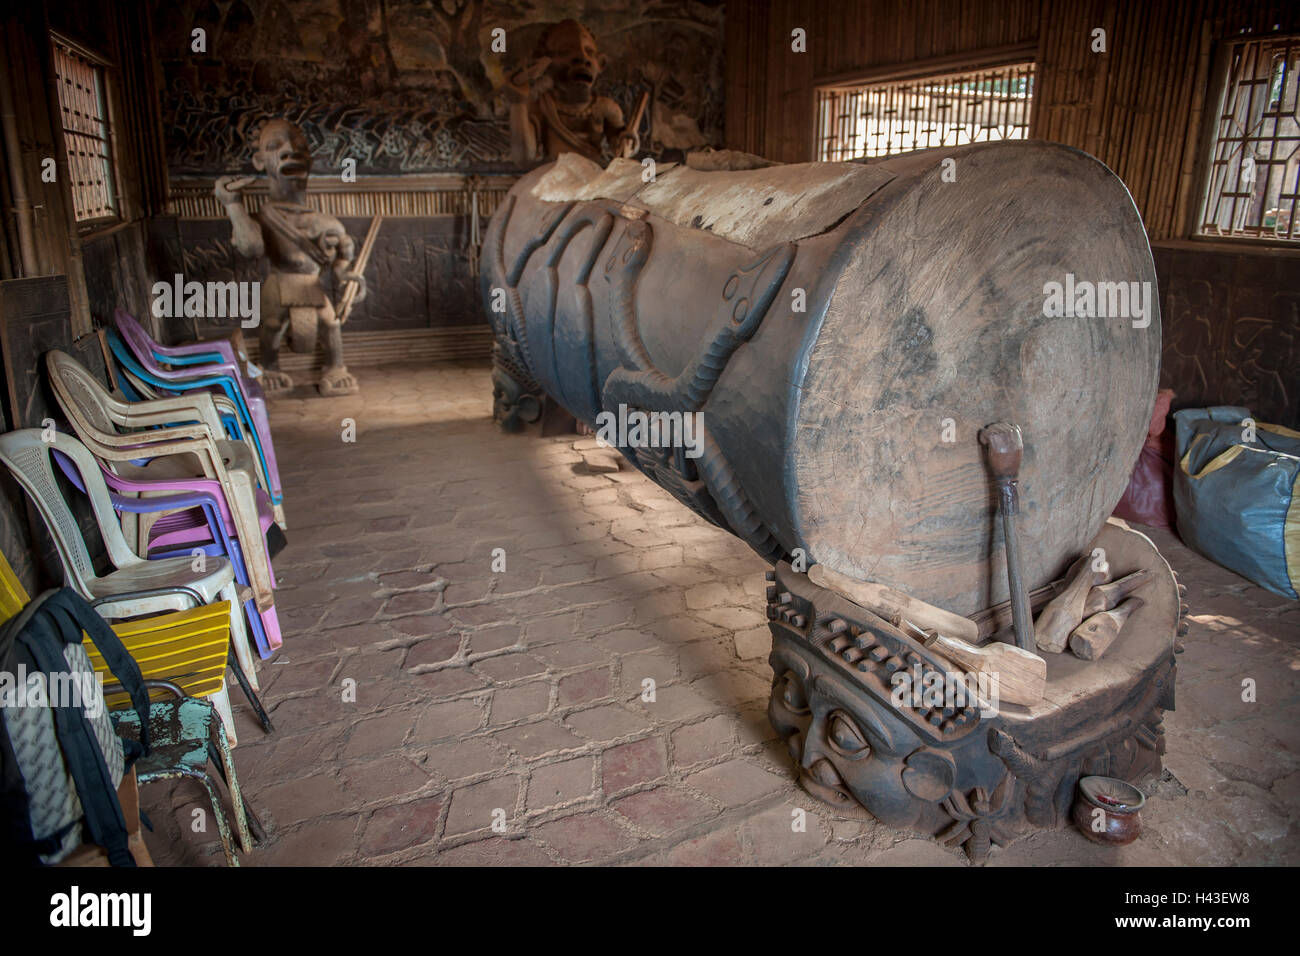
(283, 153)
(575, 60)
(852, 751)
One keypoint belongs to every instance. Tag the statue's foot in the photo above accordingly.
(337, 381)
(273, 380)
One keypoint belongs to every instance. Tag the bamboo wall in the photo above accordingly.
(1138, 107)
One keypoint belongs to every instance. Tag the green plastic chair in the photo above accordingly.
(185, 737)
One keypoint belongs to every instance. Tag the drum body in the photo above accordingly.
(836, 335)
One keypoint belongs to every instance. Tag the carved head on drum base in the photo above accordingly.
(859, 752)
(512, 406)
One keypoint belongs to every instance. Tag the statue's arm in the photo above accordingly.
(623, 141)
(523, 135)
(343, 266)
(246, 234)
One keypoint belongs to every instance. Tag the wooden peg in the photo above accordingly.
(1106, 596)
(1063, 614)
(1091, 638)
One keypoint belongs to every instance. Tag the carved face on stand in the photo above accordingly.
(575, 61)
(283, 154)
(512, 407)
(851, 751)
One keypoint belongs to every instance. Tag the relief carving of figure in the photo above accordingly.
(553, 108)
(301, 244)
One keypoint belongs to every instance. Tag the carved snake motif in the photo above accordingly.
(746, 297)
(600, 223)
(514, 327)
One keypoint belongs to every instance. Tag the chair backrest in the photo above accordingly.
(131, 357)
(134, 387)
(13, 596)
(27, 454)
(128, 361)
(142, 344)
(80, 395)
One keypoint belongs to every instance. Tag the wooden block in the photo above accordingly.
(1106, 596)
(893, 605)
(1091, 638)
(1063, 614)
(1021, 675)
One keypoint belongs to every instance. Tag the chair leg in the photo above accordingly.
(226, 767)
(220, 702)
(243, 510)
(271, 627)
(239, 634)
(254, 822)
(263, 717)
(254, 621)
(218, 811)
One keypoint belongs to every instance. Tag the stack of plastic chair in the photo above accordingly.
(187, 647)
(176, 653)
(165, 455)
(136, 587)
(180, 534)
(147, 363)
(136, 387)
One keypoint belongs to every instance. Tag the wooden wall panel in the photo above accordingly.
(1231, 323)
(1141, 106)
(770, 87)
(1138, 107)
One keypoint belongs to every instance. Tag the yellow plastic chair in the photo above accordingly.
(186, 648)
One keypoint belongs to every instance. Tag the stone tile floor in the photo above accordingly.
(420, 696)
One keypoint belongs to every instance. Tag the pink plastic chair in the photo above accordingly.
(189, 528)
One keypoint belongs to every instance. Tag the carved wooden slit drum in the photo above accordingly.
(844, 331)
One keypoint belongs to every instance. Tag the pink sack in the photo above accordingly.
(1149, 498)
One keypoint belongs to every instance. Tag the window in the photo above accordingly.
(1254, 168)
(87, 135)
(950, 109)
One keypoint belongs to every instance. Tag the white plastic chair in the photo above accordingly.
(172, 450)
(137, 586)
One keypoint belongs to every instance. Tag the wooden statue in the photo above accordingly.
(553, 109)
(300, 243)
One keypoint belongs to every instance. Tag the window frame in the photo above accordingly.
(107, 79)
(999, 59)
(1208, 149)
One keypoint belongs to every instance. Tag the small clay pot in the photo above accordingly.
(1120, 803)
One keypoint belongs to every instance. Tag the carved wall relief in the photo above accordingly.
(1232, 332)
(412, 88)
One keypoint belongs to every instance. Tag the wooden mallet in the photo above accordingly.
(1005, 448)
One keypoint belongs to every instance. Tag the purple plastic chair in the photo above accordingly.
(242, 390)
(185, 530)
